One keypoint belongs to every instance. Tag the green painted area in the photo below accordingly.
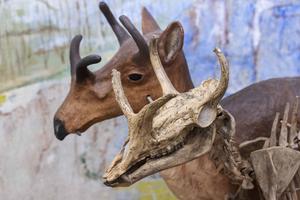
(2, 99)
(154, 190)
(149, 189)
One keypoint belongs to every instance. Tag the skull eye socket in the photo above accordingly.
(135, 77)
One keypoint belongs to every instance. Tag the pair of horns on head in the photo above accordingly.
(121, 33)
(79, 66)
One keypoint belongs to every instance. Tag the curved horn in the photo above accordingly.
(136, 35)
(82, 72)
(209, 111)
(120, 32)
(74, 52)
(163, 79)
(223, 83)
(78, 65)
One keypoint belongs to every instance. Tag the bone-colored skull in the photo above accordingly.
(169, 131)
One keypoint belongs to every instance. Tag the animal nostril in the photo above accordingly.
(59, 129)
(135, 77)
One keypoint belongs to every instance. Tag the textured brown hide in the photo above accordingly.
(253, 108)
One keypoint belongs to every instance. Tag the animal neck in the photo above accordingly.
(209, 176)
(201, 177)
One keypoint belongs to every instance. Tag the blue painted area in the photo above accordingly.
(279, 49)
(256, 52)
(225, 25)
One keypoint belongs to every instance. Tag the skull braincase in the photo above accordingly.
(163, 125)
(182, 111)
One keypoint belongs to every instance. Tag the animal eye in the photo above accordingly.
(135, 77)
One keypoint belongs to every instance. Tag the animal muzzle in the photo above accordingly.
(59, 129)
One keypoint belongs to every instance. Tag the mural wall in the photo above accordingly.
(260, 39)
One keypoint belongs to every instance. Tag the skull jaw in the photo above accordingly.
(197, 142)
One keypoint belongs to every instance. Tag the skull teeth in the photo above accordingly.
(168, 150)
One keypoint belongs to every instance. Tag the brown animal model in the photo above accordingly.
(91, 97)
(132, 60)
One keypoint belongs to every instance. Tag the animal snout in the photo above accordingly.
(59, 129)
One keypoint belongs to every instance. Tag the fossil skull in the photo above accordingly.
(169, 131)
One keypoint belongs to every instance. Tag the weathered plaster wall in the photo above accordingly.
(259, 37)
(34, 165)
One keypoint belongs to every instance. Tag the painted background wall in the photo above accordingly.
(261, 39)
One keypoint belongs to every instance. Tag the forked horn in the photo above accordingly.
(78, 65)
(74, 53)
(136, 35)
(223, 83)
(165, 83)
(120, 32)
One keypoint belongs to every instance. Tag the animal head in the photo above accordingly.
(171, 130)
(91, 98)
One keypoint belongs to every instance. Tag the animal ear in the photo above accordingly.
(207, 116)
(148, 22)
(170, 42)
